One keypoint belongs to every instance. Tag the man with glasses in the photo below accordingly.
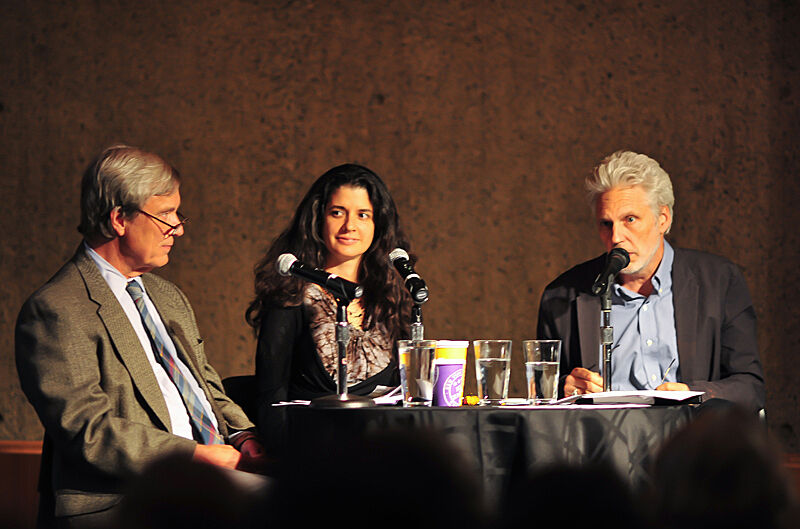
(110, 355)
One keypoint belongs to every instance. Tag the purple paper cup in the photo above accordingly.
(448, 382)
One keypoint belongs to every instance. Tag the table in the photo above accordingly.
(505, 443)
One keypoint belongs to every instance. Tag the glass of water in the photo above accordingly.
(416, 371)
(542, 359)
(492, 369)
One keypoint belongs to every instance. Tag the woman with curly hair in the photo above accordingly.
(347, 224)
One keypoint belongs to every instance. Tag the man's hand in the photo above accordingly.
(254, 455)
(584, 381)
(221, 455)
(673, 386)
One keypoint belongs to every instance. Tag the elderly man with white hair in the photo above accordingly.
(683, 319)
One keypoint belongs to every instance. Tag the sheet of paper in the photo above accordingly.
(572, 405)
(384, 391)
(387, 396)
(292, 403)
(649, 396)
(391, 398)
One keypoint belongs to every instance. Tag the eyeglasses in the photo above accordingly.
(172, 229)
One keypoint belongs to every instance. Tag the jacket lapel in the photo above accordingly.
(123, 337)
(175, 319)
(685, 299)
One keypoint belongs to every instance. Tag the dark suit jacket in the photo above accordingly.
(84, 370)
(715, 324)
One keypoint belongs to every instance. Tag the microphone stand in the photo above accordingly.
(606, 332)
(417, 329)
(342, 399)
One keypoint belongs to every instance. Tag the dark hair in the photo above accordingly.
(335, 461)
(385, 299)
(722, 470)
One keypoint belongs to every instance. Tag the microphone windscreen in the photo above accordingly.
(398, 253)
(284, 263)
(621, 254)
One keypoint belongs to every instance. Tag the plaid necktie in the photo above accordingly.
(200, 420)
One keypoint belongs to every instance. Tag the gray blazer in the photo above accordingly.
(84, 370)
(715, 324)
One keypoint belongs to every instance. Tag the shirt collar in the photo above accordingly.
(113, 277)
(662, 279)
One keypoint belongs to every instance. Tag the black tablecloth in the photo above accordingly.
(505, 443)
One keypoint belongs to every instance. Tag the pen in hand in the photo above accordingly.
(667, 371)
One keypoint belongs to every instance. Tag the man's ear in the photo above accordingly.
(118, 221)
(664, 219)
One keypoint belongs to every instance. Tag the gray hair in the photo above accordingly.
(121, 177)
(626, 168)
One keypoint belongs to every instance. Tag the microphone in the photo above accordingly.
(400, 259)
(287, 264)
(617, 259)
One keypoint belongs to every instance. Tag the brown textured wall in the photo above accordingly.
(483, 118)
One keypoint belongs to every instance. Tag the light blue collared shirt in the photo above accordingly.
(645, 343)
(178, 416)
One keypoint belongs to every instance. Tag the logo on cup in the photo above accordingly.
(448, 386)
(452, 388)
